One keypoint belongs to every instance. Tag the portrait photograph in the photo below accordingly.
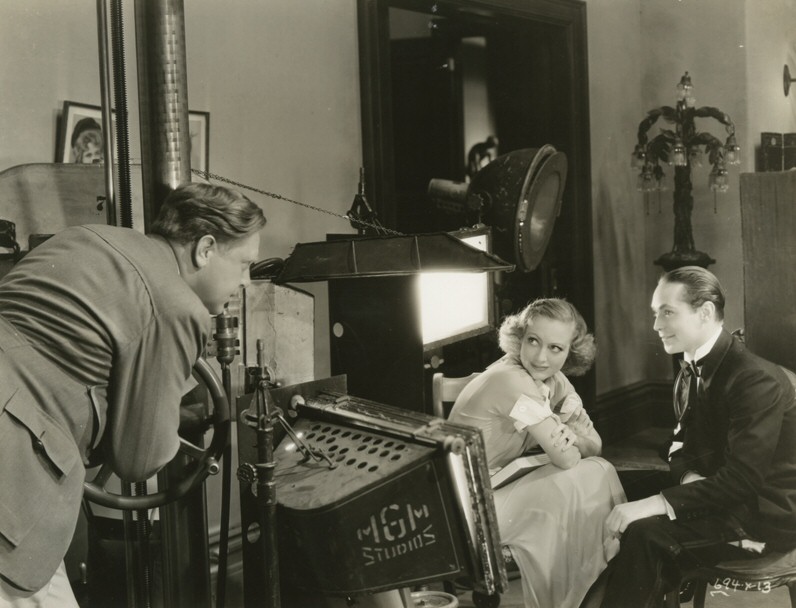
(80, 136)
(199, 128)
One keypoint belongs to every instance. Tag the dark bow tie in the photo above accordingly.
(690, 368)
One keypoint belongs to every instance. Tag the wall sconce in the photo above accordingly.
(786, 80)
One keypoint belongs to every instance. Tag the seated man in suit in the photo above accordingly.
(734, 492)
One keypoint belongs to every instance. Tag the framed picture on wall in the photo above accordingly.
(80, 136)
(199, 128)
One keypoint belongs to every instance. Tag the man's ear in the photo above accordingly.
(203, 250)
(707, 311)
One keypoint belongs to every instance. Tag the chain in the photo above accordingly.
(214, 176)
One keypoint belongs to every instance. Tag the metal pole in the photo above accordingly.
(266, 487)
(163, 100)
(105, 95)
(226, 345)
(124, 191)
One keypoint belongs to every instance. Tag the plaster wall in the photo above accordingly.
(620, 261)
(707, 39)
(771, 44)
(279, 78)
(734, 51)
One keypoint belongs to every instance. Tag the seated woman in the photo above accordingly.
(552, 518)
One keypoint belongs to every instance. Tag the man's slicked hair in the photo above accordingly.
(194, 210)
(699, 286)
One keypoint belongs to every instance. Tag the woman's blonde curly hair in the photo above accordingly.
(583, 349)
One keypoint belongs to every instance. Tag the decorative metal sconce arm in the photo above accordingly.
(711, 112)
(668, 113)
(786, 80)
(660, 145)
(713, 146)
(658, 148)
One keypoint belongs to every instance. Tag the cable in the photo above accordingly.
(377, 227)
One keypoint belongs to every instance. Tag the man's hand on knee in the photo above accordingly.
(621, 516)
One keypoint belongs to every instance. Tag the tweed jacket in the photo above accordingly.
(741, 435)
(98, 337)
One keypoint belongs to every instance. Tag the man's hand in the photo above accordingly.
(621, 516)
(690, 476)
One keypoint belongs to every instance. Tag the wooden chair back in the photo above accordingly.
(445, 390)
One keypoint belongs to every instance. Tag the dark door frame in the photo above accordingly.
(568, 17)
(377, 136)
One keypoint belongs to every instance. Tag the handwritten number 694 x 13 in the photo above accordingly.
(732, 584)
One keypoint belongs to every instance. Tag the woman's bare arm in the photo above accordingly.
(558, 442)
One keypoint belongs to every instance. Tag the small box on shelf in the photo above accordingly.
(789, 151)
(771, 152)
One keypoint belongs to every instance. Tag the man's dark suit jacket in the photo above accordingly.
(741, 435)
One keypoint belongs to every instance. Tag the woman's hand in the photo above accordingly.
(557, 440)
(588, 440)
(580, 422)
(563, 437)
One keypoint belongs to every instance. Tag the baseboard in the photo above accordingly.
(625, 411)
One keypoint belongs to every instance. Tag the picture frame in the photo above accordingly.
(199, 129)
(80, 129)
(80, 133)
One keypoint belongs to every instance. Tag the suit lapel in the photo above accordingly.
(713, 359)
